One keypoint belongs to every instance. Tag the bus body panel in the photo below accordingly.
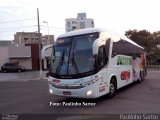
(98, 88)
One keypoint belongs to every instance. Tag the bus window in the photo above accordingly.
(101, 57)
(107, 47)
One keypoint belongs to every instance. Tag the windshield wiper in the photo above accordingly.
(75, 64)
(60, 63)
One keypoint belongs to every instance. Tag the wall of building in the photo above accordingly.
(21, 38)
(27, 63)
(22, 52)
(5, 43)
(4, 56)
(34, 55)
(80, 22)
(27, 56)
(21, 55)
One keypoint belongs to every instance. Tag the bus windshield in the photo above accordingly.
(73, 55)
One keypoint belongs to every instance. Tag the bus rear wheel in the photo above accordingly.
(112, 88)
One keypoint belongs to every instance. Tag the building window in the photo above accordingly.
(82, 25)
(74, 28)
(68, 24)
(25, 38)
(74, 22)
(92, 23)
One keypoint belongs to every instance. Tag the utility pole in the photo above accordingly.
(39, 37)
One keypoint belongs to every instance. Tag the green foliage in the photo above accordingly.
(146, 39)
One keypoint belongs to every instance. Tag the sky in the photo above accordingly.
(117, 15)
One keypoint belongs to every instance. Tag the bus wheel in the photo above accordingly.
(142, 75)
(112, 88)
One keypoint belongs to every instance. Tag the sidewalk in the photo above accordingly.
(153, 69)
(23, 76)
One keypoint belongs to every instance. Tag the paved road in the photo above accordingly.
(32, 97)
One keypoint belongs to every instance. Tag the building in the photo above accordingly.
(80, 22)
(47, 39)
(27, 56)
(20, 55)
(22, 38)
(25, 50)
(5, 43)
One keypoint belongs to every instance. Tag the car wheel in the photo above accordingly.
(4, 70)
(112, 88)
(19, 70)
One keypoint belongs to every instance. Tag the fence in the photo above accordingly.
(153, 66)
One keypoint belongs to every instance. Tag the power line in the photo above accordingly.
(16, 28)
(16, 21)
(52, 27)
(19, 27)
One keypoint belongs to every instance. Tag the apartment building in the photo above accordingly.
(5, 43)
(80, 22)
(22, 38)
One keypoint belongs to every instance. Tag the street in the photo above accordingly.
(32, 97)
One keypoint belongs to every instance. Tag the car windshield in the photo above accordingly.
(73, 55)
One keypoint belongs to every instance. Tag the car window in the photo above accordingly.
(11, 64)
(7, 64)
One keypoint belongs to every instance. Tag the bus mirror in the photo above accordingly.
(44, 49)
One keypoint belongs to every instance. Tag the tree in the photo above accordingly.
(147, 40)
(140, 37)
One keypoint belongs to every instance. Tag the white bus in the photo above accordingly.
(92, 62)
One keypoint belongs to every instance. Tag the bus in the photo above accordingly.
(93, 62)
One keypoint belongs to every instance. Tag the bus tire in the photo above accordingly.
(112, 88)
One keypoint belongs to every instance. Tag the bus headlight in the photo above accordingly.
(89, 92)
(85, 84)
(51, 91)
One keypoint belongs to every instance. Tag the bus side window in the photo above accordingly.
(107, 48)
(101, 57)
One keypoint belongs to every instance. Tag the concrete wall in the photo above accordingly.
(27, 63)
(22, 52)
(22, 55)
(4, 56)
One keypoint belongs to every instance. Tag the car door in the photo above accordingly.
(14, 67)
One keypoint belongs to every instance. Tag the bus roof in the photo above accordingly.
(81, 32)
(94, 30)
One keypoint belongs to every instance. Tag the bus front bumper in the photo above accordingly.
(85, 92)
